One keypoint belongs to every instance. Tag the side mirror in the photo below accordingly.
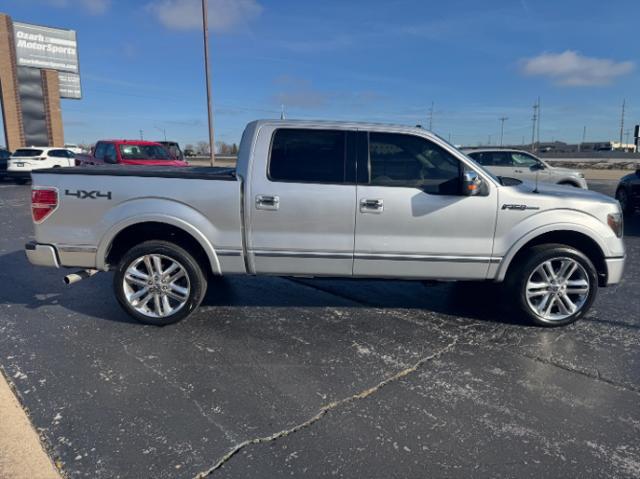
(537, 167)
(471, 183)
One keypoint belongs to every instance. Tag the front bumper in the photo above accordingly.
(615, 270)
(41, 254)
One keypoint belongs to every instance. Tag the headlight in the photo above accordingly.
(616, 223)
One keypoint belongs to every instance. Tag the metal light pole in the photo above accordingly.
(205, 30)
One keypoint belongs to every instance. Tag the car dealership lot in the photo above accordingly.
(320, 377)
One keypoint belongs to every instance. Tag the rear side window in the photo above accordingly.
(99, 154)
(308, 156)
(110, 153)
(27, 152)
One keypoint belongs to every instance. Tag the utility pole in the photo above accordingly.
(205, 31)
(502, 120)
(539, 118)
(624, 104)
(627, 134)
(533, 133)
(431, 117)
(141, 136)
(164, 132)
(584, 137)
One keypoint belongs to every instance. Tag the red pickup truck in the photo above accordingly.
(129, 152)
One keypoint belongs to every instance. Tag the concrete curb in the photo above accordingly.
(22, 455)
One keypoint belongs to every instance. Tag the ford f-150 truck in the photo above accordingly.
(327, 199)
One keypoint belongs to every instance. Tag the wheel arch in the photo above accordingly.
(127, 234)
(579, 240)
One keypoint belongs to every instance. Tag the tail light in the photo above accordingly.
(44, 201)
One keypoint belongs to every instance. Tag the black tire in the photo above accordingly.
(622, 195)
(519, 275)
(195, 279)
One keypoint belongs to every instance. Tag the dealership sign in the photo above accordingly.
(50, 48)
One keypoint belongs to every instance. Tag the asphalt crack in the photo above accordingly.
(591, 375)
(326, 409)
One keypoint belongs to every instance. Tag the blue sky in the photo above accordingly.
(383, 61)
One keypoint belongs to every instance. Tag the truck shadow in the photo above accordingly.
(34, 288)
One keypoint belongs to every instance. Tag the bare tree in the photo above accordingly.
(202, 148)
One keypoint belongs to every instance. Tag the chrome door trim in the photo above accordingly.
(426, 258)
(301, 254)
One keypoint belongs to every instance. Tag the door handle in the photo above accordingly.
(267, 202)
(371, 206)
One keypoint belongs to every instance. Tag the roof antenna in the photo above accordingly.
(282, 117)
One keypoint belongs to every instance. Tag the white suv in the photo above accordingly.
(25, 160)
(522, 165)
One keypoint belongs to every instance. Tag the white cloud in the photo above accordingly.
(224, 15)
(94, 7)
(570, 68)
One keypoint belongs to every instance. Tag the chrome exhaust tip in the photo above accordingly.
(79, 276)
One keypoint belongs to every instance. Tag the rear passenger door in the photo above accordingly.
(301, 202)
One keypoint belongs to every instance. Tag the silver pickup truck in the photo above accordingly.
(327, 199)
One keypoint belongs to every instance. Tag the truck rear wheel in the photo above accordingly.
(555, 285)
(159, 283)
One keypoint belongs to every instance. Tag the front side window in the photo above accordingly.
(308, 156)
(526, 161)
(412, 161)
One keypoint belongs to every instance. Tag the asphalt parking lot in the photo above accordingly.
(277, 377)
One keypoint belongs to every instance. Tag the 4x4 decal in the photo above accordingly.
(91, 195)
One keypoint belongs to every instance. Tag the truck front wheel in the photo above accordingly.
(159, 283)
(554, 285)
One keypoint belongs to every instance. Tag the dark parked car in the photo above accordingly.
(4, 156)
(628, 192)
(173, 148)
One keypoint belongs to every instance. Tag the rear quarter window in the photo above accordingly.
(27, 152)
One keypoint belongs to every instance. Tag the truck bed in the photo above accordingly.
(190, 172)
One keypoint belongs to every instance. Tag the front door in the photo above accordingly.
(412, 219)
(301, 203)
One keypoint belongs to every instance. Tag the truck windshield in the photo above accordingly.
(144, 152)
(27, 152)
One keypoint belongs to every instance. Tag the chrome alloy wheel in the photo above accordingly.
(558, 288)
(156, 285)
